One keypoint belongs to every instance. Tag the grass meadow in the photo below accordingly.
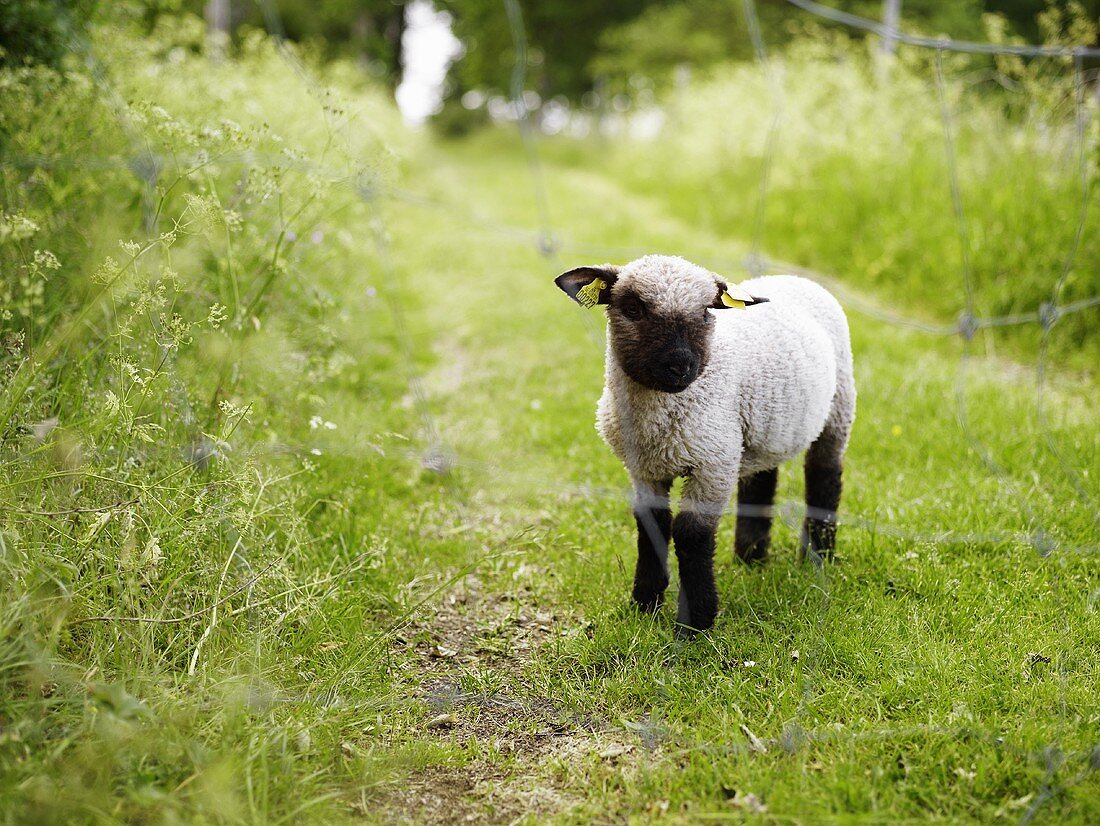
(303, 516)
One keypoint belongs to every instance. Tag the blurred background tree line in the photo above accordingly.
(574, 47)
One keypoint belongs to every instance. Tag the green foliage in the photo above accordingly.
(860, 184)
(367, 30)
(292, 468)
(40, 31)
(696, 33)
(562, 40)
(1024, 15)
(960, 19)
(456, 121)
(575, 48)
(159, 250)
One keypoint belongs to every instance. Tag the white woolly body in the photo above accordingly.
(778, 373)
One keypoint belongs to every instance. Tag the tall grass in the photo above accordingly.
(859, 184)
(168, 336)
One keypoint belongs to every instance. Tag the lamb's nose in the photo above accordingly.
(679, 368)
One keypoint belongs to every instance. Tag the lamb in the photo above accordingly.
(694, 389)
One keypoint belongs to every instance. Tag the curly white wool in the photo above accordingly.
(779, 375)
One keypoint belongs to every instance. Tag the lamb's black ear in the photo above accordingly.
(589, 286)
(733, 297)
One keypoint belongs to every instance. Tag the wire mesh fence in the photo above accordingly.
(969, 323)
(437, 456)
(551, 244)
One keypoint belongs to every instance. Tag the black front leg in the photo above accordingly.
(654, 518)
(755, 496)
(693, 535)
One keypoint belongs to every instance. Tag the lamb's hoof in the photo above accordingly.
(688, 623)
(649, 603)
(685, 633)
(755, 553)
(691, 631)
(815, 556)
(649, 592)
(817, 542)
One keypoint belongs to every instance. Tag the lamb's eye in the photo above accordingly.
(632, 309)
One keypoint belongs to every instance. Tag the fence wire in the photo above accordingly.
(1041, 540)
(468, 215)
(967, 325)
(940, 43)
(1048, 314)
(145, 164)
(548, 243)
(755, 266)
(436, 457)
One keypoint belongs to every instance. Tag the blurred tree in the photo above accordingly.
(694, 32)
(368, 30)
(960, 19)
(697, 33)
(40, 31)
(573, 47)
(217, 19)
(702, 32)
(562, 37)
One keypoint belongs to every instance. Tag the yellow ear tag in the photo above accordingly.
(730, 301)
(589, 294)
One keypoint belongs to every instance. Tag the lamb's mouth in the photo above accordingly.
(662, 380)
(673, 388)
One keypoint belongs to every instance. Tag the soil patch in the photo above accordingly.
(511, 736)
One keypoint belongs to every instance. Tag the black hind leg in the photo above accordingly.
(824, 465)
(755, 495)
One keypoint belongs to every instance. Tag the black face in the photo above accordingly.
(661, 352)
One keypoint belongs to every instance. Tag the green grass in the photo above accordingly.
(323, 627)
(860, 186)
